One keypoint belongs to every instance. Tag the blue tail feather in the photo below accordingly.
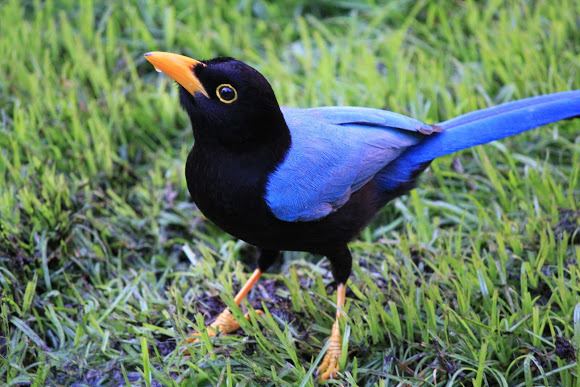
(478, 128)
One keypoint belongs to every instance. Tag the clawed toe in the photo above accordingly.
(225, 323)
(330, 364)
(329, 367)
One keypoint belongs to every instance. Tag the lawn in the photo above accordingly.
(106, 265)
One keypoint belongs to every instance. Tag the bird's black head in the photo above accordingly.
(229, 102)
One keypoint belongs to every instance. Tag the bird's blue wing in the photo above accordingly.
(334, 151)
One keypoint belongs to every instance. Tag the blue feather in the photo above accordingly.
(481, 127)
(346, 115)
(335, 151)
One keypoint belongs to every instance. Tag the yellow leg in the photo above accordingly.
(225, 322)
(329, 367)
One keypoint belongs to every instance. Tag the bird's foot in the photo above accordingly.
(224, 323)
(330, 364)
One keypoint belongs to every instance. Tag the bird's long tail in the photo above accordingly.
(480, 127)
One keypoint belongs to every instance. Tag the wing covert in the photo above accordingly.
(335, 151)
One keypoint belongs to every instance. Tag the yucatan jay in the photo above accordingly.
(311, 179)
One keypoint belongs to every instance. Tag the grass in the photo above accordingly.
(106, 265)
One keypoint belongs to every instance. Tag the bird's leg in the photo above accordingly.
(329, 366)
(341, 267)
(225, 321)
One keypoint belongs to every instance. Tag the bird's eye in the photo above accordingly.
(226, 93)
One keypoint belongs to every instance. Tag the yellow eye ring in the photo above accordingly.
(226, 93)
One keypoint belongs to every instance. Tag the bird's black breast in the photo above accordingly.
(228, 189)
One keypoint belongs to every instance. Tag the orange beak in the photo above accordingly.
(179, 68)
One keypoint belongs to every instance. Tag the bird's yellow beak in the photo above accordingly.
(179, 68)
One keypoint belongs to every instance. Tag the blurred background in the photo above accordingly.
(106, 265)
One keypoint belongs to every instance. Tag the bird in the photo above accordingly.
(310, 179)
